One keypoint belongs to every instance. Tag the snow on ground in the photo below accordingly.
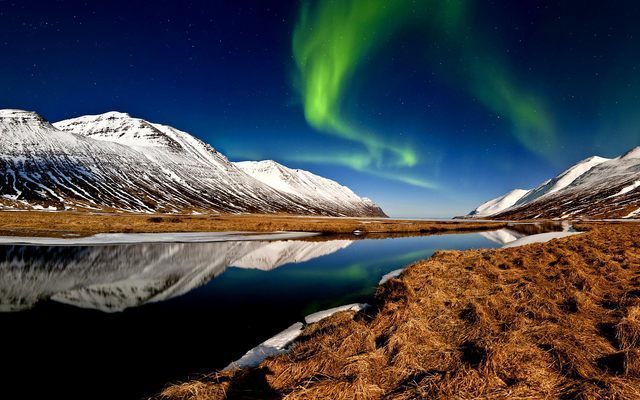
(632, 213)
(390, 275)
(539, 238)
(320, 315)
(626, 189)
(269, 348)
(170, 237)
(279, 343)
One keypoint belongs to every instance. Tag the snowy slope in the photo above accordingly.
(596, 187)
(113, 161)
(563, 180)
(499, 204)
(305, 185)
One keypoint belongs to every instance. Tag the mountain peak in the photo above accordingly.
(20, 115)
(118, 127)
(265, 165)
(594, 158)
(112, 114)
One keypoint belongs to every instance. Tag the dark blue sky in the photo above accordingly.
(505, 96)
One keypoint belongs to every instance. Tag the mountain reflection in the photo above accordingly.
(114, 278)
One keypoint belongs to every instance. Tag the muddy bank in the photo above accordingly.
(549, 320)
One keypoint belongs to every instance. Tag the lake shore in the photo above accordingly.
(559, 319)
(64, 224)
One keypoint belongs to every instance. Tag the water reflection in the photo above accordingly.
(503, 236)
(114, 278)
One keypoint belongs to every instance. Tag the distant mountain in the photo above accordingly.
(307, 187)
(115, 162)
(498, 204)
(596, 187)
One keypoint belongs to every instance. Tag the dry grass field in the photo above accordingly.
(556, 320)
(17, 223)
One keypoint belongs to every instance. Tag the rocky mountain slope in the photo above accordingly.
(114, 162)
(594, 188)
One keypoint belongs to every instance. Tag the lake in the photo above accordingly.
(121, 321)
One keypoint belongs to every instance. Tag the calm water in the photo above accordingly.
(120, 321)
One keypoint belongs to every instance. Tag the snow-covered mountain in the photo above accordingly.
(596, 187)
(498, 204)
(113, 161)
(306, 186)
(563, 180)
(114, 278)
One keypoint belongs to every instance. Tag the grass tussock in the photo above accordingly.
(559, 320)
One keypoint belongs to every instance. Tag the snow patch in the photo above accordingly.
(390, 275)
(626, 189)
(280, 343)
(269, 348)
(632, 214)
(320, 315)
(539, 238)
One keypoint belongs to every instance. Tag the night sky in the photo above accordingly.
(427, 107)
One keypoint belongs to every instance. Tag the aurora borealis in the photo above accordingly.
(352, 28)
(426, 106)
(332, 37)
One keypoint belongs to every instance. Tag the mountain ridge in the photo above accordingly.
(115, 162)
(593, 188)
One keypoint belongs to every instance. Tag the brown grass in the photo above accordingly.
(559, 320)
(63, 223)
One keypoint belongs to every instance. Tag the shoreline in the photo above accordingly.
(554, 320)
(281, 342)
(64, 224)
(169, 237)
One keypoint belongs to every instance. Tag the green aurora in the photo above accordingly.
(333, 39)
